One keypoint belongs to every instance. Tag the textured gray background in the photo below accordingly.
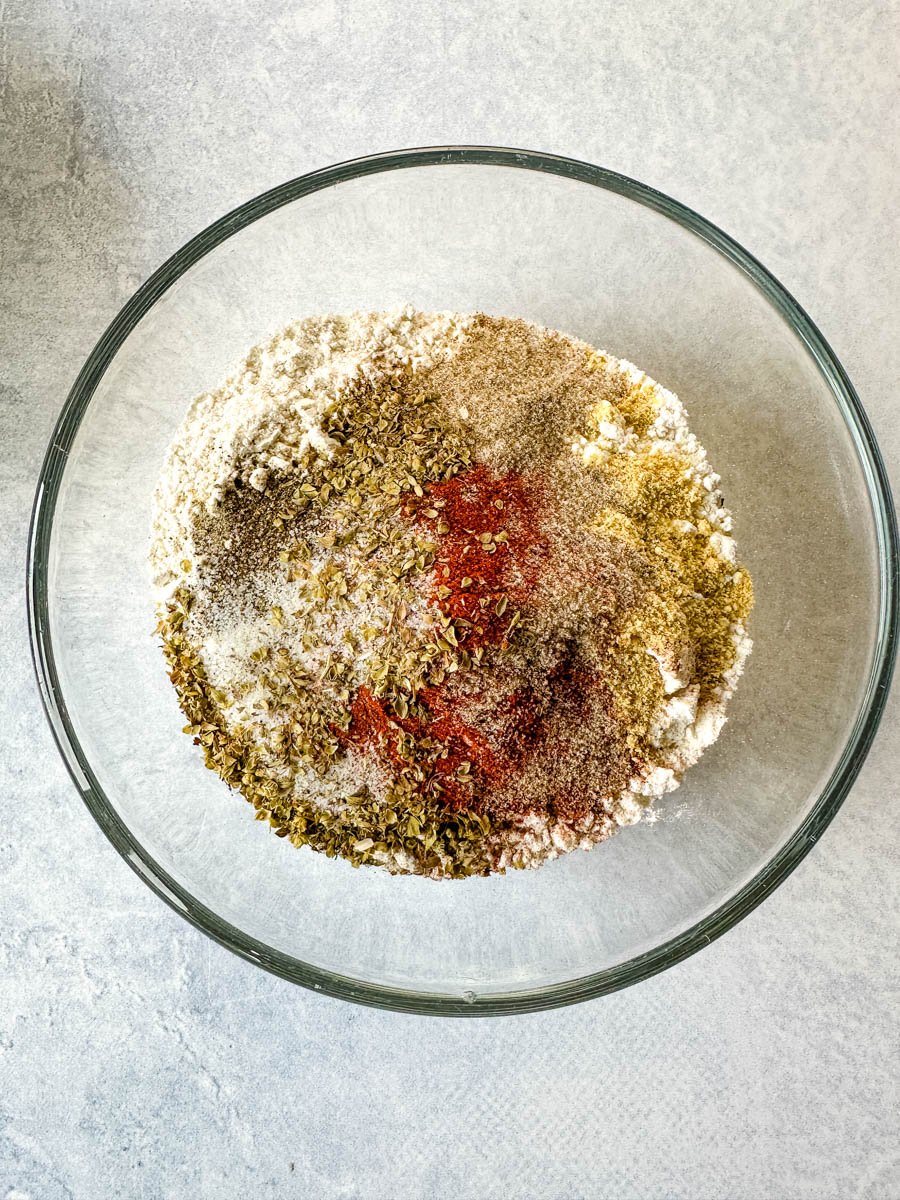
(139, 1059)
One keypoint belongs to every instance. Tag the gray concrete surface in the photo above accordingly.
(139, 1059)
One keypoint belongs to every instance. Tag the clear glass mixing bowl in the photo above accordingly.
(586, 251)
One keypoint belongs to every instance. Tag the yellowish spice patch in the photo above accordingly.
(696, 595)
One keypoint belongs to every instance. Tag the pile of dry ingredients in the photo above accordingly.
(447, 594)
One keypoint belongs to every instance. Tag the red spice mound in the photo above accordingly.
(491, 549)
(540, 748)
(444, 738)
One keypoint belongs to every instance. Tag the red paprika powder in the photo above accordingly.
(491, 549)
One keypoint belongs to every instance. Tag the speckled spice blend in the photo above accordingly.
(445, 594)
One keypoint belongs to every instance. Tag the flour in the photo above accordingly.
(272, 408)
(274, 414)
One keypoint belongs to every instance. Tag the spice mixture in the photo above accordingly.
(446, 594)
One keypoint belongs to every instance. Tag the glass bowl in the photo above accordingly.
(579, 249)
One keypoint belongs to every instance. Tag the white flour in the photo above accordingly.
(272, 408)
(276, 406)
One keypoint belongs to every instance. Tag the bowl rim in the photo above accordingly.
(611, 979)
